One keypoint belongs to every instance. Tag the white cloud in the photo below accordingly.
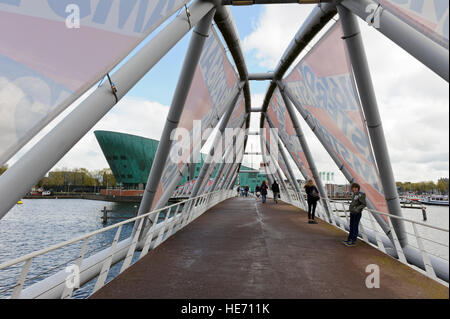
(131, 115)
(413, 101)
(273, 31)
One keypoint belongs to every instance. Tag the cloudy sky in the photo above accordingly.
(413, 100)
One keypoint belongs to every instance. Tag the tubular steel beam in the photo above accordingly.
(184, 84)
(252, 2)
(51, 148)
(227, 27)
(260, 76)
(355, 49)
(424, 49)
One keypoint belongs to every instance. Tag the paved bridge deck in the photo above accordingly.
(242, 248)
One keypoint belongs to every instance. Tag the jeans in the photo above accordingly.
(275, 196)
(312, 209)
(354, 224)
(263, 196)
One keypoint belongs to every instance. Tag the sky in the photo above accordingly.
(413, 101)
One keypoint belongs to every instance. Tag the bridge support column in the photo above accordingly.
(184, 84)
(355, 48)
(307, 151)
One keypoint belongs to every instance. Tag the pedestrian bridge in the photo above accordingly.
(239, 247)
(244, 249)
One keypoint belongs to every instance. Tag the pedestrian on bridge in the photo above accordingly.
(312, 196)
(257, 191)
(276, 191)
(263, 191)
(356, 207)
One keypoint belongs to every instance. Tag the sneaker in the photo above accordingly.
(314, 222)
(345, 242)
(350, 244)
(309, 221)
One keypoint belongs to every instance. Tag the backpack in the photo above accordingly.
(315, 196)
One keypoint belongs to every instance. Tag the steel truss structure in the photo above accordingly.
(200, 16)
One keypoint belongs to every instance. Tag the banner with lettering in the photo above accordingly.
(215, 82)
(430, 17)
(279, 116)
(53, 51)
(324, 85)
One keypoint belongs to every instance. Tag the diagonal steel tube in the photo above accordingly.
(184, 84)
(424, 49)
(356, 52)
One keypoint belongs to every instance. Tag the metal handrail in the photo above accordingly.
(203, 200)
(425, 255)
(399, 217)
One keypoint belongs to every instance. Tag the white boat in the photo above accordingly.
(441, 200)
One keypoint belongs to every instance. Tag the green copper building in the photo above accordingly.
(130, 158)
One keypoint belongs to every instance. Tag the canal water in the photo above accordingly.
(40, 223)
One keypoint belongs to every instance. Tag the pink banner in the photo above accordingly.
(430, 17)
(279, 115)
(323, 84)
(214, 81)
(52, 51)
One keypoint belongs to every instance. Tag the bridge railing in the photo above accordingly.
(418, 233)
(166, 222)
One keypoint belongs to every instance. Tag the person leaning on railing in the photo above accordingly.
(356, 207)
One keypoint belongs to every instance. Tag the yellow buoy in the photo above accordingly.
(19, 202)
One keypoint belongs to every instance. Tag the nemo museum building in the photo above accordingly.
(130, 158)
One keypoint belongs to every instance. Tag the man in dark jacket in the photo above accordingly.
(356, 207)
(276, 191)
(263, 191)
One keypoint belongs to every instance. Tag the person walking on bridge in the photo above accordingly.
(257, 191)
(312, 196)
(276, 191)
(356, 207)
(263, 191)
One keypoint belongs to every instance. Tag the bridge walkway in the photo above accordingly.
(242, 248)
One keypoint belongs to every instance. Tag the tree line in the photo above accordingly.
(425, 187)
(105, 178)
(78, 177)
